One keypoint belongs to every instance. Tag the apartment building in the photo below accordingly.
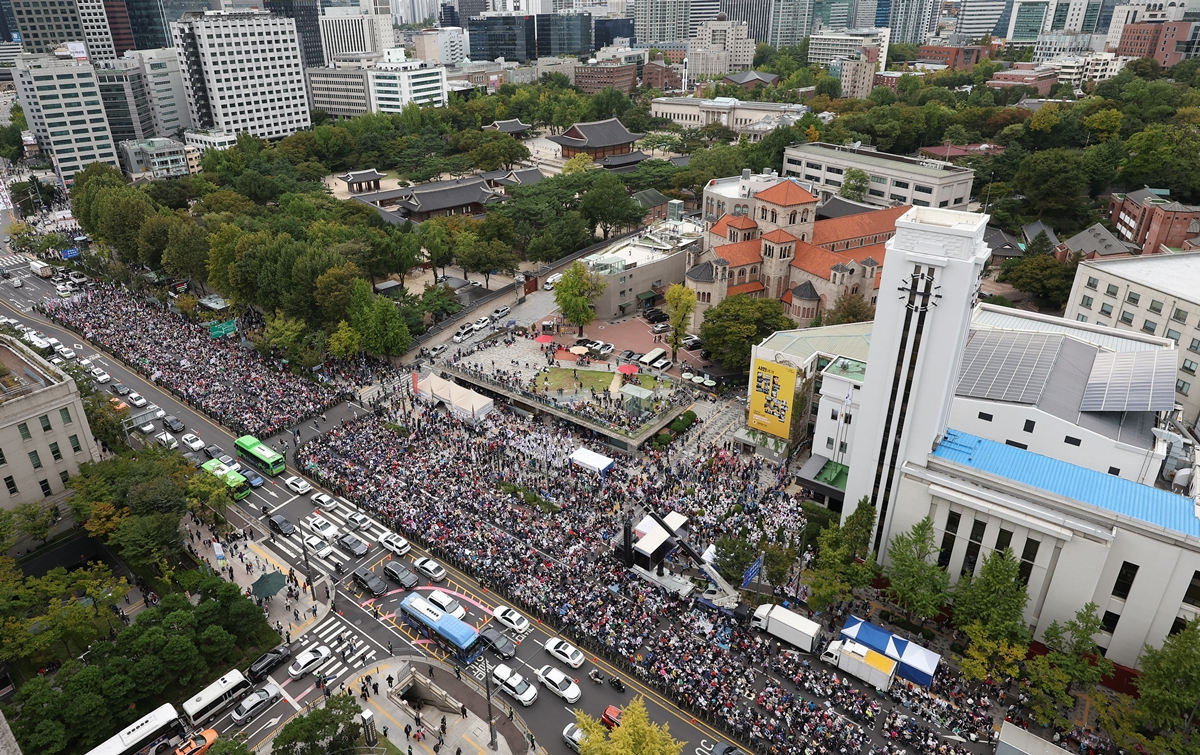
(446, 46)
(719, 47)
(243, 72)
(59, 94)
(154, 158)
(825, 46)
(662, 20)
(894, 179)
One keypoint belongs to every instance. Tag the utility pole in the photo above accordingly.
(487, 681)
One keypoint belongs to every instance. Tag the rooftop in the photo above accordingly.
(850, 340)
(988, 316)
(1124, 498)
(1172, 274)
(596, 135)
(747, 77)
(1098, 240)
(747, 184)
(656, 242)
(844, 367)
(732, 102)
(880, 160)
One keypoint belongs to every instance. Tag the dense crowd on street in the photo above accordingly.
(440, 486)
(233, 384)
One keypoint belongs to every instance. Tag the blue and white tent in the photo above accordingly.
(914, 662)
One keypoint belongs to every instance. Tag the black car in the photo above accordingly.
(354, 545)
(268, 661)
(119, 389)
(214, 451)
(582, 341)
(369, 581)
(398, 572)
(626, 354)
(497, 642)
(657, 317)
(173, 424)
(5, 274)
(281, 525)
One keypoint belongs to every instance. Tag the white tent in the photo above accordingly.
(463, 402)
(591, 460)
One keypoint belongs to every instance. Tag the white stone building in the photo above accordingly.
(824, 46)
(894, 179)
(719, 47)
(446, 46)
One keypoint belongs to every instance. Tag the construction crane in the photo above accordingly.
(727, 596)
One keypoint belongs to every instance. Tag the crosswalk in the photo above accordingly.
(329, 554)
(351, 651)
(11, 260)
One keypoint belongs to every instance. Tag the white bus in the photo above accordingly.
(216, 697)
(652, 356)
(159, 732)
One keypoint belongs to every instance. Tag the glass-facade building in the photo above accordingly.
(563, 34)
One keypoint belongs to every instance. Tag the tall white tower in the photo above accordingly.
(922, 319)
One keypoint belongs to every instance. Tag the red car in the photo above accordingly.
(611, 717)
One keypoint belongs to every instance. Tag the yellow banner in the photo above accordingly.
(771, 398)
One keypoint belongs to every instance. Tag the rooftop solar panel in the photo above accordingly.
(1131, 381)
(1007, 366)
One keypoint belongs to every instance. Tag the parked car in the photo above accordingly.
(514, 684)
(198, 744)
(101, 376)
(606, 349)
(192, 441)
(357, 520)
(482, 323)
(553, 279)
(353, 544)
(321, 526)
(574, 736)
(430, 568)
(663, 364)
(297, 485)
(136, 399)
(625, 355)
(214, 451)
(660, 328)
(267, 662)
(464, 332)
(318, 546)
(119, 389)
(173, 424)
(692, 342)
(322, 500)
(437, 351)
(166, 440)
(501, 311)
(611, 717)
(395, 543)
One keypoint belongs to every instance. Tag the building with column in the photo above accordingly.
(42, 82)
(307, 15)
(396, 82)
(243, 89)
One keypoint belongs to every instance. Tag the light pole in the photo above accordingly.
(312, 587)
(487, 681)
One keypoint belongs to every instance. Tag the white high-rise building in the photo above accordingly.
(977, 18)
(701, 11)
(825, 46)
(756, 14)
(367, 28)
(56, 94)
(791, 22)
(96, 32)
(662, 20)
(912, 21)
(396, 82)
(243, 72)
(720, 47)
(446, 46)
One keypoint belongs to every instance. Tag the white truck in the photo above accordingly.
(41, 269)
(858, 660)
(788, 626)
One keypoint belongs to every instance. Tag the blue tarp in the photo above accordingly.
(914, 662)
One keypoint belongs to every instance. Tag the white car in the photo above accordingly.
(574, 736)
(499, 312)
(323, 528)
(511, 619)
(297, 485)
(85, 363)
(319, 547)
(192, 441)
(322, 499)
(430, 568)
(146, 429)
(357, 520)
(16, 283)
(559, 683)
(133, 399)
(395, 543)
(463, 333)
(482, 323)
(514, 684)
(565, 652)
(65, 353)
(166, 440)
(309, 660)
(449, 605)
(100, 375)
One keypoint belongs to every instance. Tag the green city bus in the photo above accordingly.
(253, 451)
(238, 487)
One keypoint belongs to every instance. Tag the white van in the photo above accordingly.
(549, 285)
(652, 356)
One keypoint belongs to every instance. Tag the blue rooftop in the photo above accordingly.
(1105, 491)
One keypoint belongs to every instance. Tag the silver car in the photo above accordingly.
(254, 703)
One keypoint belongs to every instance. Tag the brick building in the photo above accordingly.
(1042, 78)
(1151, 220)
(957, 58)
(1139, 40)
(659, 74)
(599, 76)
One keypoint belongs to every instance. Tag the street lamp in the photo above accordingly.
(487, 681)
(308, 569)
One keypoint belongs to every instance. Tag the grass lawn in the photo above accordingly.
(649, 382)
(564, 377)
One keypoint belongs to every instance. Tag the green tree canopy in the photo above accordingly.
(574, 293)
(737, 323)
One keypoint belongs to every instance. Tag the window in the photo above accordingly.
(1015, 444)
(1133, 298)
(46, 490)
(1028, 556)
(1127, 317)
(1174, 335)
(1071, 441)
(976, 540)
(1182, 387)
(898, 197)
(1029, 425)
(1081, 318)
(3, 460)
(1111, 290)
(75, 443)
(829, 443)
(1086, 302)
(1124, 580)
(55, 452)
(64, 476)
(1179, 315)
(1109, 621)
(1178, 626)
(985, 416)
(900, 184)
(952, 520)
(35, 459)
(923, 189)
(1093, 283)
(1106, 309)
(1195, 345)
(65, 414)
(11, 484)
(833, 414)
(1191, 597)
(1149, 326)
(842, 447)
(1156, 306)
(24, 428)
(1114, 471)
(1003, 539)
(1189, 367)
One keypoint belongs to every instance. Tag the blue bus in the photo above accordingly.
(456, 637)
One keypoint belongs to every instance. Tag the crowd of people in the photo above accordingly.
(441, 486)
(235, 385)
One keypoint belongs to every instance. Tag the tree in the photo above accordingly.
(153, 238)
(1042, 276)
(435, 239)
(186, 253)
(916, 582)
(854, 187)
(681, 303)
(734, 554)
(500, 150)
(579, 163)
(607, 204)
(990, 658)
(1073, 650)
(335, 727)
(333, 289)
(830, 87)
(344, 342)
(387, 334)
(486, 257)
(1051, 179)
(837, 570)
(849, 308)
(233, 746)
(1039, 245)
(574, 293)
(8, 530)
(636, 735)
(404, 254)
(1047, 686)
(995, 599)
(1105, 124)
(34, 519)
(121, 213)
(739, 322)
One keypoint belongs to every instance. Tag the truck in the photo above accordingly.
(788, 626)
(860, 661)
(41, 269)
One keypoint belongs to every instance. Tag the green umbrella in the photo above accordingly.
(268, 585)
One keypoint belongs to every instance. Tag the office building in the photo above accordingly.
(1059, 44)
(894, 179)
(643, 266)
(341, 89)
(126, 99)
(349, 30)
(1037, 75)
(45, 29)
(596, 77)
(719, 47)
(396, 82)
(563, 34)
(756, 14)
(165, 89)
(1027, 20)
(856, 71)
(97, 30)
(149, 21)
(44, 433)
(307, 15)
(206, 139)
(791, 22)
(978, 18)
(700, 11)
(241, 89)
(832, 14)
(694, 112)
(662, 20)
(1144, 11)
(957, 58)
(825, 46)
(607, 30)
(448, 15)
(509, 36)
(471, 8)
(154, 158)
(446, 46)
(912, 21)
(42, 82)
(119, 26)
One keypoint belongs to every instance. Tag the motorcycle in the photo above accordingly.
(616, 683)
(596, 676)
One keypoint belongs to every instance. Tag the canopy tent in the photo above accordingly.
(651, 535)
(710, 553)
(463, 402)
(915, 663)
(637, 398)
(591, 460)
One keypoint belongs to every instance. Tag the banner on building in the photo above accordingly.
(771, 397)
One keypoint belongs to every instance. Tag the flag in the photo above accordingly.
(751, 572)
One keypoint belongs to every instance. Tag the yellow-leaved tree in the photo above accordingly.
(636, 734)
